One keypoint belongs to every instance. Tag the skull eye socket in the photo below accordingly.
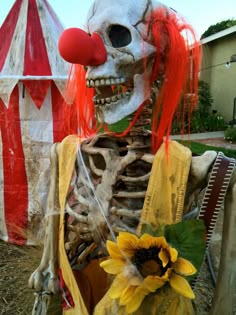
(119, 36)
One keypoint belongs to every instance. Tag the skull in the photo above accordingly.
(121, 82)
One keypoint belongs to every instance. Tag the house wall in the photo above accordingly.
(222, 80)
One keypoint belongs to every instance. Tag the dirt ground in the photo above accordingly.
(16, 265)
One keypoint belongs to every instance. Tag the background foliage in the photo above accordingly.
(218, 27)
(230, 134)
(203, 119)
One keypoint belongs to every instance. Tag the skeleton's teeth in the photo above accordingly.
(97, 82)
(107, 100)
(112, 99)
(102, 82)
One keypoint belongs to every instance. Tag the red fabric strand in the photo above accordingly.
(67, 299)
(62, 113)
(82, 97)
(181, 61)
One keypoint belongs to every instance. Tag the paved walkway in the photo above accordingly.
(215, 139)
(197, 136)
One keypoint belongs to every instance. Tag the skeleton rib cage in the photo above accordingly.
(109, 186)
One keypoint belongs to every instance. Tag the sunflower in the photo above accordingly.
(142, 266)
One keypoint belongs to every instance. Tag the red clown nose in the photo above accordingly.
(76, 46)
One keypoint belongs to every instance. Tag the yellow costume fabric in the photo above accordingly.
(163, 205)
(67, 154)
(164, 198)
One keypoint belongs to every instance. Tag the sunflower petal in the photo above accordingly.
(127, 243)
(113, 266)
(152, 283)
(114, 250)
(161, 241)
(173, 253)
(184, 267)
(135, 280)
(136, 301)
(164, 257)
(146, 241)
(119, 284)
(167, 275)
(180, 285)
(127, 295)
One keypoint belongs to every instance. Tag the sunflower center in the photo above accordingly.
(148, 262)
(151, 267)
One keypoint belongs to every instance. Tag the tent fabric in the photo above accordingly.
(32, 107)
(30, 47)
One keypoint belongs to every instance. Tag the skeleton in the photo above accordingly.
(111, 174)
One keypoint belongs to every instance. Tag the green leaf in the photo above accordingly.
(148, 229)
(187, 237)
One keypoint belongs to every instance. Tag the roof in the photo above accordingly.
(28, 51)
(218, 35)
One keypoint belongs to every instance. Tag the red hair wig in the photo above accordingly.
(78, 94)
(178, 47)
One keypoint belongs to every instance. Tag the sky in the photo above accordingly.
(199, 13)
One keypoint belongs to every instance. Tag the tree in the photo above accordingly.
(218, 27)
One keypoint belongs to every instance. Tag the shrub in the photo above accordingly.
(230, 134)
(215, 122)
(203, 118)
(205, 99)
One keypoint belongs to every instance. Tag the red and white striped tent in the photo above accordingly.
(32, 80)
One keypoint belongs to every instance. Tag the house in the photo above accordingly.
(218, 69)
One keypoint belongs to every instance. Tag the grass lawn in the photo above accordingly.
(200, 148)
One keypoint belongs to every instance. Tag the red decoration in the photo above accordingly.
(78, 47)
(67, 299)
